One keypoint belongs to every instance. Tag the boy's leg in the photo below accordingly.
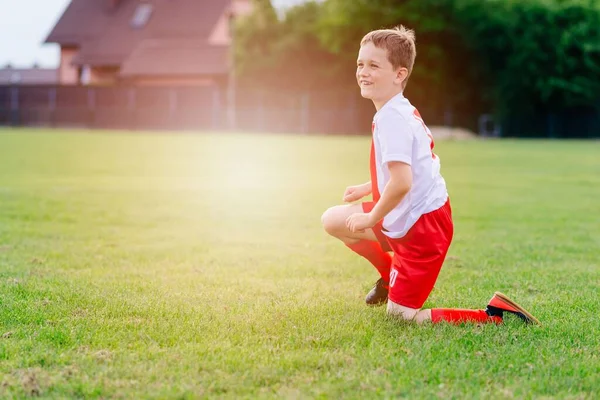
(436, 315)
(416, 266)
(367, 244)
(494, 312)
(334, 223)
(412, 280)
(408, 291)
(418, 259)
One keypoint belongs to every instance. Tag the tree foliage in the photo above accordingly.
(283, 53)
(512, 57)
(537, 54)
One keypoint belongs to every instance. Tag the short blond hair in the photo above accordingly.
(399, 43)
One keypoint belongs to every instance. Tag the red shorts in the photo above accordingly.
(418, 256)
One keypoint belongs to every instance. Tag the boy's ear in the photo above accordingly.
(401, 74)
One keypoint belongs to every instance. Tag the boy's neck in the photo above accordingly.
(380, 103)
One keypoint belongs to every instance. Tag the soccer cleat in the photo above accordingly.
(500, 303)
(379, 294)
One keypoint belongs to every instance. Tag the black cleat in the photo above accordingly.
(379, 294)
(500, 303)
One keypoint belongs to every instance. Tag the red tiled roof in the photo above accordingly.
(82, 20)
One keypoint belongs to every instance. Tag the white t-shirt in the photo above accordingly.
(399, 134)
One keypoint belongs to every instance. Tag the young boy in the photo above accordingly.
(410, 214)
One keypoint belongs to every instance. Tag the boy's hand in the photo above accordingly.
(358, 222)
(354, 193)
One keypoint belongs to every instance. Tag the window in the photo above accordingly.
(141, 15)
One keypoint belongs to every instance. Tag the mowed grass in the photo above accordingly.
(191, 266)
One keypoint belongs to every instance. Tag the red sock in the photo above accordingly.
(373, 252)
(457, 316)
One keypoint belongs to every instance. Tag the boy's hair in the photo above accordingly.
(400, 45)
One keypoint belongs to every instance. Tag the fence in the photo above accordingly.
(206, 108)
(181, 108)
(110, 107)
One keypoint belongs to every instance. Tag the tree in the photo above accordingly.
(283, 53)
(516, 58)
(255, 42)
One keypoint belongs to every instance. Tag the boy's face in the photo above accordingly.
(376, 76)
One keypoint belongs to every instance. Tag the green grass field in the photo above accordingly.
(193, 266)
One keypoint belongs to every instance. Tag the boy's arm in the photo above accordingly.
(399, 184)
(397, 187)
(396, 143)
(357, 192)
(366, 187)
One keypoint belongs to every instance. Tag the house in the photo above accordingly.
(146, 42)
(28, 76)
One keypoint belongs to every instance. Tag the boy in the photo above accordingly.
(410, 214)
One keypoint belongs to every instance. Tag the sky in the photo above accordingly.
(26, 24)
(24, 27)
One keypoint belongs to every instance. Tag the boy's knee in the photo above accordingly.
(407, 314)
(329, 221)
(395, 310)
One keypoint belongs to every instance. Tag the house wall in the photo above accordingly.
(103, 75)
(68, 74)
(220, 33)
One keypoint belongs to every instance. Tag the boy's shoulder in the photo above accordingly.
(398, 106)
(398, 112)
(399, 115)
